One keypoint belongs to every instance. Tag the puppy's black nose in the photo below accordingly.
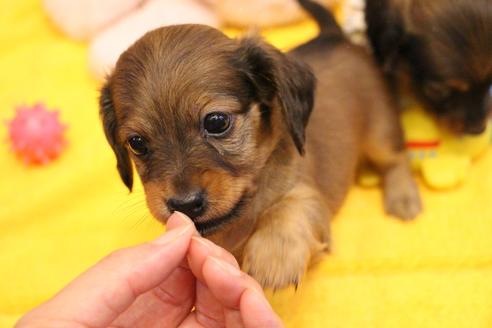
(193, 204)
(475, 129)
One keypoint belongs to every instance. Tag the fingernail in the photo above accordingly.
(260, 299)
(206, 243)
(173, 234)
(224, 266)
(263, 308)
(180, 218)
(203, 242)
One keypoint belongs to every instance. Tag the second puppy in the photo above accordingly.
(443, 50)
(217, 128)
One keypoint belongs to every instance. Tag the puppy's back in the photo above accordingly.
(351, 97)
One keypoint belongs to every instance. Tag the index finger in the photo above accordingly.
(235, 290)
(101, 294)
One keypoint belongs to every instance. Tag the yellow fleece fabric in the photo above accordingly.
(57, 220)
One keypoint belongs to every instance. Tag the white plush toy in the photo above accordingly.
(353, 20)
(111, 26)
(107, 46)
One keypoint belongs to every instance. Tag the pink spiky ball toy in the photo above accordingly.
(36, 134)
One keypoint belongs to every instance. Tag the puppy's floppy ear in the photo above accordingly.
(277, 76)
(385, 29)
(110, 126)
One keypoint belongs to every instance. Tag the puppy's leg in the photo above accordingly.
(385, 148)
(290, 235)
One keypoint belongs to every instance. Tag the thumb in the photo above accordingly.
(101, 294)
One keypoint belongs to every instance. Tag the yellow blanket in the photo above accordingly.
(57, 220)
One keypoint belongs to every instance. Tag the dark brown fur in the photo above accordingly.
(445, 48)
(267, 204)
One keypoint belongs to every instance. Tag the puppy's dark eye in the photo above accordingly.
(437, 90)
(216, 123)
(138, 145)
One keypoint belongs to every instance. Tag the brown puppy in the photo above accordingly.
(216, 129)
(445, 48)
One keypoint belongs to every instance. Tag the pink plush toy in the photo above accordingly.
(36, 134)
(111, 26)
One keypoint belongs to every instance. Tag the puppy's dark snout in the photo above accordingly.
(475, 129)
(193, 204)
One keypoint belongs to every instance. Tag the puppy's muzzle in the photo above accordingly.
(193, 204)
(475, 129)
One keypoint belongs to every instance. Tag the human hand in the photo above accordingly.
(177, 280)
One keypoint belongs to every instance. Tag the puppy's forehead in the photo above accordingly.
(177, 70)
(455, 30)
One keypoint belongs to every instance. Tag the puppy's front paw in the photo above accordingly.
(275, 262)
(402, 200)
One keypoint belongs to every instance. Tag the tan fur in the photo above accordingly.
(354, 118)
(283, 244)
(284, 201)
